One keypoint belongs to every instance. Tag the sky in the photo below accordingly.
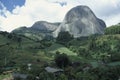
(17, 13)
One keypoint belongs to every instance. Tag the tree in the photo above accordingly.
(83, 52)
(19, 40)
(62, 60)
(64, 37)
(113, 30)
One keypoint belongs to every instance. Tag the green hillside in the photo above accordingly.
(115, 29)
(61, 48)
(99, 53)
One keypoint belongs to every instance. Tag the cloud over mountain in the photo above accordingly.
(48, 10)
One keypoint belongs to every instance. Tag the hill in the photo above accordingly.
(79, 21)
(115, 29)
(38, 31)
(61, 48)
(30, 51)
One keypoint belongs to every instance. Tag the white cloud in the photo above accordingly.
(47, 10)
(112, 20)
(32, 11)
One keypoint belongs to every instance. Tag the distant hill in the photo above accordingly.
(45, 27)
(38, 31)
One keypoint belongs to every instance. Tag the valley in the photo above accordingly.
(95, 51)
(80, 47)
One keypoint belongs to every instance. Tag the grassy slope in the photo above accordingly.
(3, 40)
(26, 54)
(5, 77)
(58, 47)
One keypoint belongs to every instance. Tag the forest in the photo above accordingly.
(95, 57)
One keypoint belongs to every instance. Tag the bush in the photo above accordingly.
(113, 30)
(115, 57)
(64, 37)
(62, 60)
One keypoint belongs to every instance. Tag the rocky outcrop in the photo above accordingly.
(44, 26)
(81, 21)
(38, 31)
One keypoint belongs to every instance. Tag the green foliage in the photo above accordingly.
(85, 76)
(106, 73)
(63, 77)
(62, 60)
(113, 30)
(106, 44)
(5, 76)
(59, 47)
(115, 57)
(101, 53)
(83, 52)
(64, 37)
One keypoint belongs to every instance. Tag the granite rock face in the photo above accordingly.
(38, 31)
(44, 26)
(81, 21)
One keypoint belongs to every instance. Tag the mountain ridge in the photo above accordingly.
(79, 21)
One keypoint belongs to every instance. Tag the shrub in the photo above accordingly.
(62, 60)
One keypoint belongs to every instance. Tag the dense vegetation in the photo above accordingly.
(115, 29)
(96, 57)
(64, 37)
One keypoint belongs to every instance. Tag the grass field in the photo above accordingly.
(5, 77)
(58, 47)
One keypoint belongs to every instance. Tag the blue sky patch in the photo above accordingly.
(11, 4)
(61, 3)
